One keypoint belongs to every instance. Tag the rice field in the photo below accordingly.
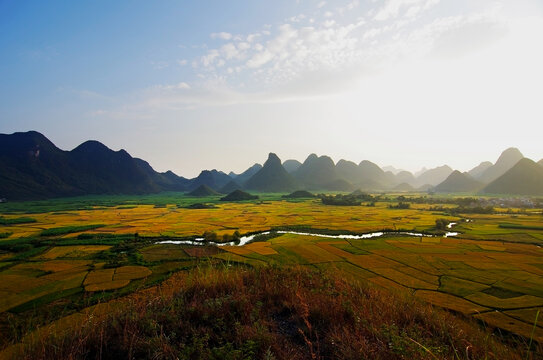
(491, 272)
(457, 274)
(147, 220)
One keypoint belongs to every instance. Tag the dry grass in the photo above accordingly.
(72, 251)
(110, 279)
(163, 252)
(99, 276)
(451, 302)
(131, 273)
(262, 248)
(104, 286)
(267, 313)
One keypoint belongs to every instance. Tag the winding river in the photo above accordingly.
(246, 239)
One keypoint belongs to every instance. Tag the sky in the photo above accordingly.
(192, 85)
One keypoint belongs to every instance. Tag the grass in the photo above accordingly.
(131, 273)
(276, 313)
(163, 252)
(16, 220)
(74, 251)
(63, 230)
(105, 286)
(521, 227)
(460, 287)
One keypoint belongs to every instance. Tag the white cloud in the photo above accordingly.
(221, 35)
(242, 46)
(393, 8)
(294, 61)
(210, 57)
(252, 37)
(297, 18)
(350, 6)
(260, 59)
(179, 86)
(230, 51)
(396, 64)
(183, 85)
(321, 4)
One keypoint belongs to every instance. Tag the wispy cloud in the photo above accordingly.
(221, 35)
(307, 57)
(409, 8)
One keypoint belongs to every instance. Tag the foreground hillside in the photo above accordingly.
(268, 313)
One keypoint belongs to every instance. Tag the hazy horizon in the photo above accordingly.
(335, 160)
(194, 86)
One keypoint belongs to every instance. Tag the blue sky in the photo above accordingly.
(219, 84)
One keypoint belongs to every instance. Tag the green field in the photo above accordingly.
(78, 252)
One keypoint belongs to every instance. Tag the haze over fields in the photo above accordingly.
(218, 85)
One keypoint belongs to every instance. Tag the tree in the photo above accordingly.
(441, 224)
(210, 236)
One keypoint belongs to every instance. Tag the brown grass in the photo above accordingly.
(110, 285)
(280, 313)
(99, 276)
(131, 273)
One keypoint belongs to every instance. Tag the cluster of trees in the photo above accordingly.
(473, 210)
(211, 236)
(353, 199)
(465, 201)
(441, 224)
(400, 205)
(464, 210)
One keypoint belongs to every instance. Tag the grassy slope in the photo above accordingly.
(272, 313)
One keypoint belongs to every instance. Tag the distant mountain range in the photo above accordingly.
(272, 177)
(506, 161)
(459, 182)
(524, 178)
(32, 167)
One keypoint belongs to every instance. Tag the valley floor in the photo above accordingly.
(58, 267)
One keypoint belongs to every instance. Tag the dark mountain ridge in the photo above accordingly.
(291, 165)
(32, 167)
(316, 171)
(246, 175)
(213, 178)
(272, 177)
